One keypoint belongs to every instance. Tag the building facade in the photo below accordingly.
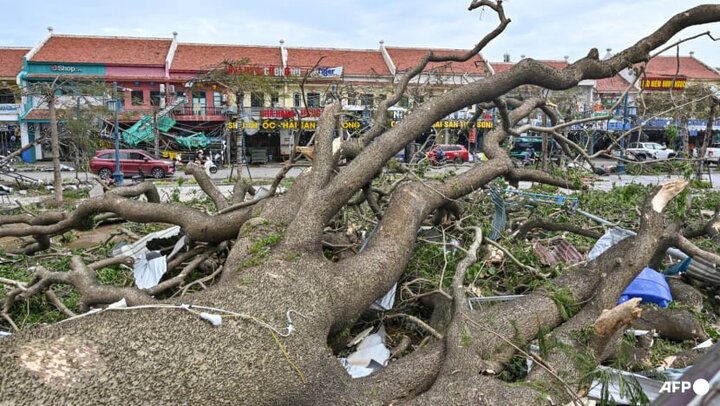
(10, 66)
(265, 97)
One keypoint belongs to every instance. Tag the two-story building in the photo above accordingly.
(11, 60)
(139, 67)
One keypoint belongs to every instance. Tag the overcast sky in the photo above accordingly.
(544, 29)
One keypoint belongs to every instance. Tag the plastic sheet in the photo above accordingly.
(149, 269)
(370, 356)
(610, 238)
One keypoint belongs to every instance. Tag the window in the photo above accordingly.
(108, 155)
(155, 98)
(199, 103)
(296, 100)
(138, 97)
(275, 100)
(404, 102)
(257, 99)
(137, 156)
(352, 98)
(7, 96)
(313, 99)
(367, 100)
(217, 99)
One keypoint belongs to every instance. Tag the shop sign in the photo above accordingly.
(352, 125)
(653, 83)
(329, 72)
(278, 71)
(289, 113)
(272, 125)
(455, 124)
(65, 69)
(9, 108)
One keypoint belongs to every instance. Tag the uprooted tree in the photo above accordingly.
(282, 300)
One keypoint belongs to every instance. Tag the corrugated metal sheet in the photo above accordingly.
(560, 251)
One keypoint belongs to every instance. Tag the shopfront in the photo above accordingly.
(9, 129)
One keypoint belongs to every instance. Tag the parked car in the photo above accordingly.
(530, 148)
(712, 154)
(132, 162)
(649, 150)
(453, 153)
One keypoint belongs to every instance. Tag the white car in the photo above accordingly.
(712, 154)
(649, 150)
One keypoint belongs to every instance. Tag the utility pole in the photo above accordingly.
(156, 132)
(621, 164)
(118, 175)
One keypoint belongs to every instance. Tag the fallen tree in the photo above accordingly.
(281, 300)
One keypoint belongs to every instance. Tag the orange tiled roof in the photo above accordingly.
(406, 58)
(555, 63)
(615, 84)
(38, 114)
(201, 57)
(500, 67)
(11, 61)
(689, 67)
(362, 62)
(104, 50)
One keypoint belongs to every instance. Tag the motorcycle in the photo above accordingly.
(210, 166)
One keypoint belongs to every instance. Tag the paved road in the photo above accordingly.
(256, 172)
(269, 171)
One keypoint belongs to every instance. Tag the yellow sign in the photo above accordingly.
(272, 125)
(170, 155)
(664, 83)
(454, 124)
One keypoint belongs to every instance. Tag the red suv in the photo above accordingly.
(132, 161)
(453, 153)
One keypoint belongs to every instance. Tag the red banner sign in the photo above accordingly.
(289, 113)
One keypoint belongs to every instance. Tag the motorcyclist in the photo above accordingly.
(439, 156)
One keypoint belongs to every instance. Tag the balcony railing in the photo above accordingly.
(200, 111)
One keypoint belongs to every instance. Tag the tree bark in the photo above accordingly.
(55, 146)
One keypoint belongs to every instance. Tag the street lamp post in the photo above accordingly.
(118, 175)
(621, 164)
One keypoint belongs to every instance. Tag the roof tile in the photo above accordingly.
(615, 84)
(689, 67)
(104, 50)
(406, 58)
(11, 60)
(360, 62)
(201, 57)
